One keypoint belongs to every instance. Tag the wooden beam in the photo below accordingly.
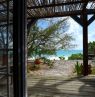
(64, 13)
(32, 21)
(85, 45)
(30, 24)
(53, 5)
(91, 19)
(61, 14)
(72, 14)
(85, 4)
(77, 19)
(58, 4)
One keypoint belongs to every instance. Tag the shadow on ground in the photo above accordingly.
(75, 87)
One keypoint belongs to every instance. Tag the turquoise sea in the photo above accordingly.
(67, 53)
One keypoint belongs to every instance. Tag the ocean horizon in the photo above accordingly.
(67, 52)
(64, 53)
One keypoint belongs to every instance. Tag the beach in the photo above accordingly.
(63, 68)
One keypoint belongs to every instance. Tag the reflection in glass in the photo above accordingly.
(6, 49)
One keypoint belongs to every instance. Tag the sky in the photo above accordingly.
(76, 31)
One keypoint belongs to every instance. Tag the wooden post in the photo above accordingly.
(19, 48)
(85, 44)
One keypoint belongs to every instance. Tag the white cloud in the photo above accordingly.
(91, 36)
(74, 26)
(91, 32)
(76, 31)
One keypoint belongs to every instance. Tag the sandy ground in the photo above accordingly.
(61, 68)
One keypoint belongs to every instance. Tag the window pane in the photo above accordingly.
(6, 48)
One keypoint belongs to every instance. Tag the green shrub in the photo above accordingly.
(49, 63)
(62, 57)
(33, 67)
(76, 57)
(79, 68)
(91, 47)
(93, 70)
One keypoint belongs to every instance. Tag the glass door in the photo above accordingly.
(6, 48)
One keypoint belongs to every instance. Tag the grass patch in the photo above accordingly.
(93, 70)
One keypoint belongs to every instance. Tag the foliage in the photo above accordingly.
(62, 57)
(38, 63)
(93, 70)
(48, 62)
(76, 57)
(91, 47)
(91, 50)
(44, 59)
(47, 41)
(79, 68)
(31, 67)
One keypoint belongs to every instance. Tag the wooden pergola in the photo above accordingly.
(37, 9)
(23, 13)
(76, 9)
